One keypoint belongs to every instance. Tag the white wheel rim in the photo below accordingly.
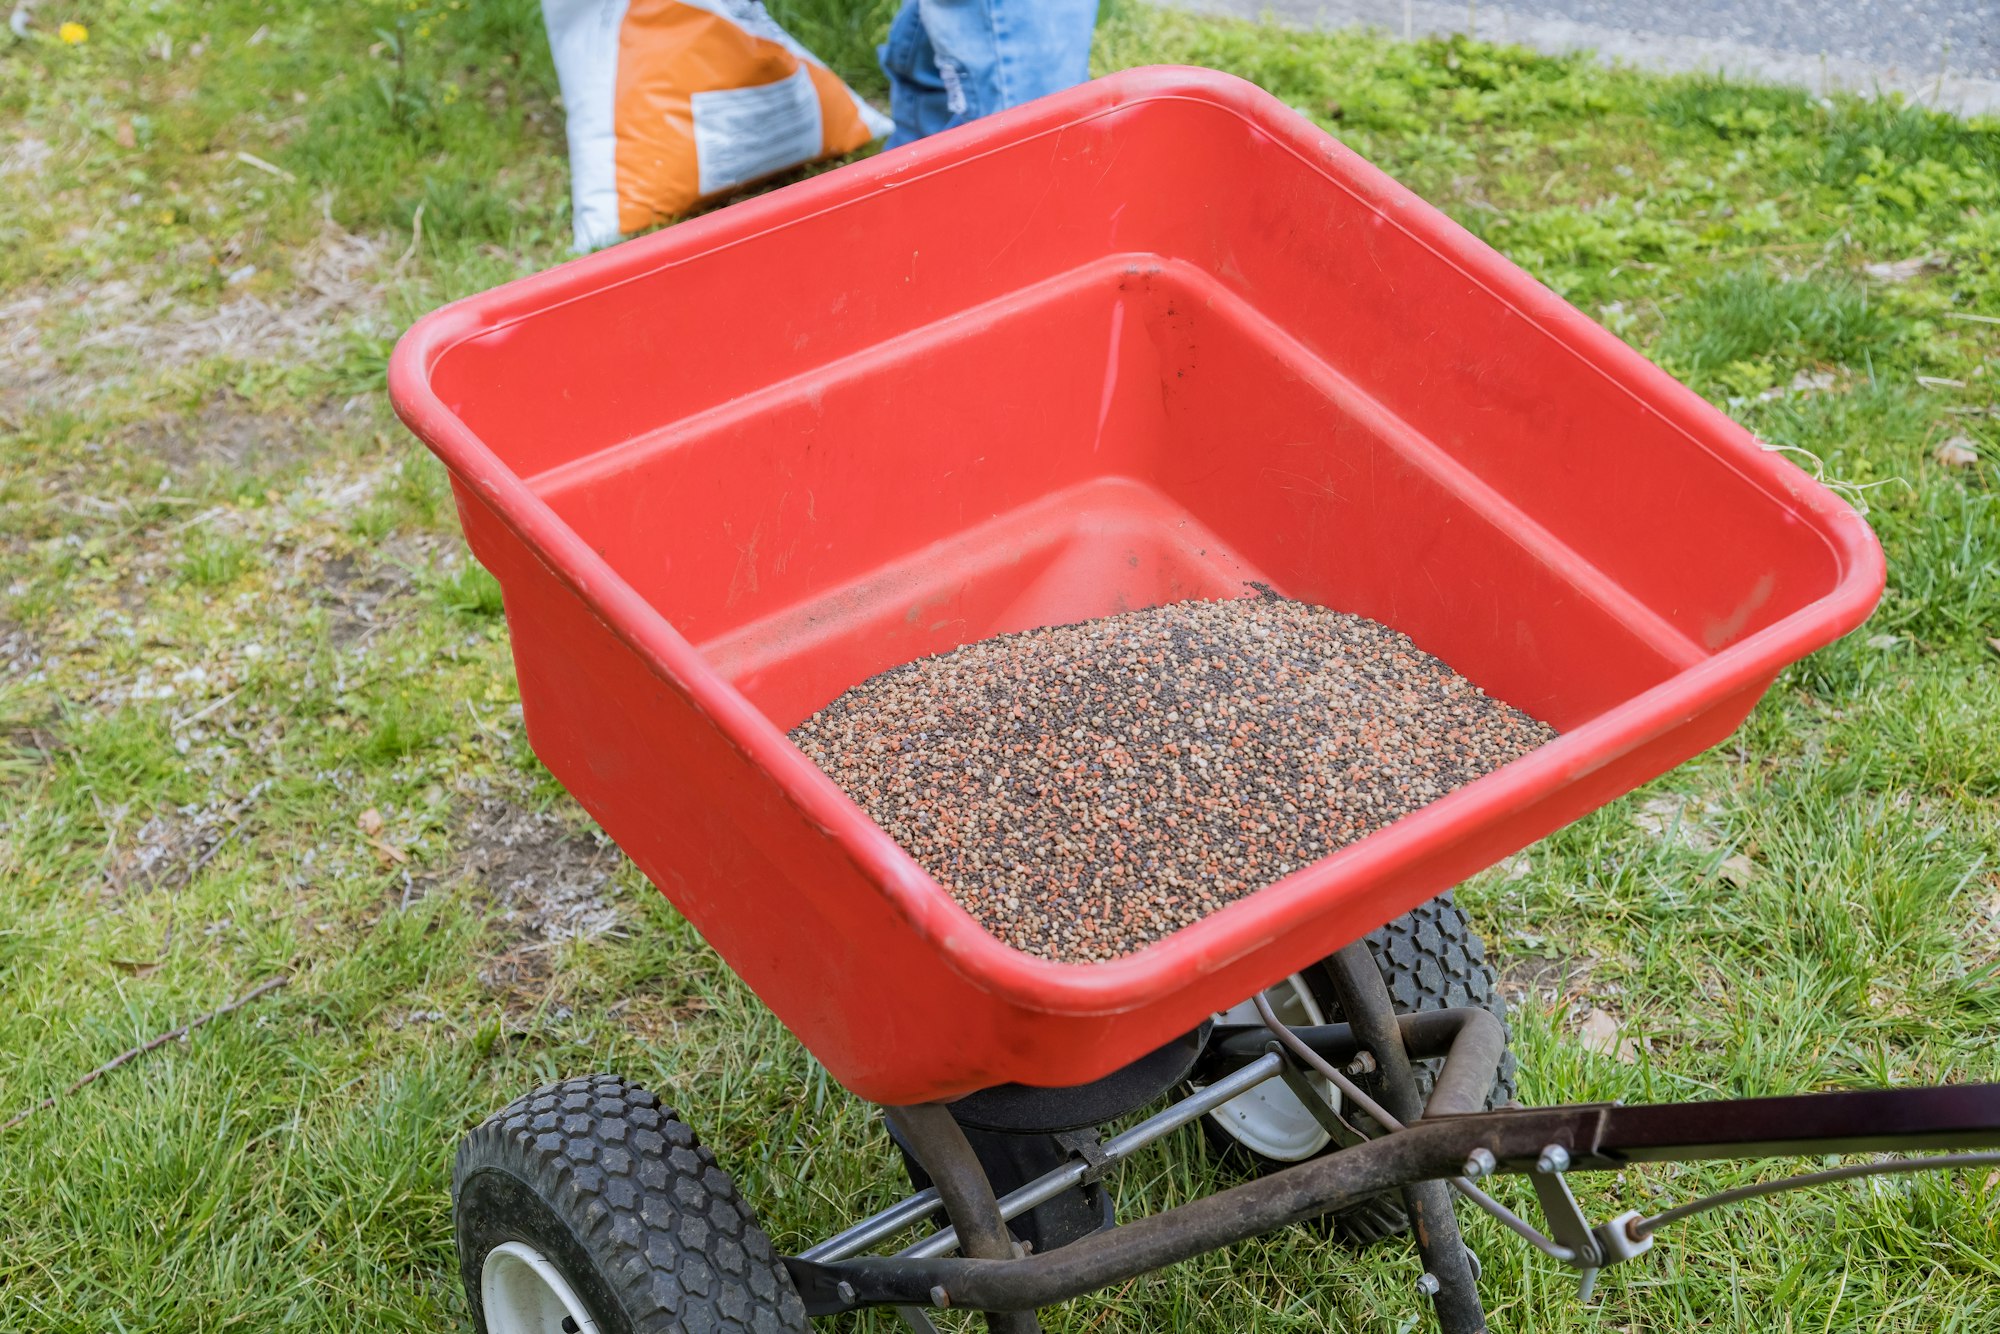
(524, 1294)
(1270, 1120)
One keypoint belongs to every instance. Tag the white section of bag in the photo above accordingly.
(878, 124)
(742, 134)
(753, 18)
(583, 37)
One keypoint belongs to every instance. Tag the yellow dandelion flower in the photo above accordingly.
(73, 34)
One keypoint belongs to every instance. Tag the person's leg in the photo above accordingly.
(994, 54)
(916, 91)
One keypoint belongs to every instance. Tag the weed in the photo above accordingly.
(212, 560)
(1733, 110)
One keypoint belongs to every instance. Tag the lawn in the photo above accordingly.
(258, 717)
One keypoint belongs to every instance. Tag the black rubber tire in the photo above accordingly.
(1431, 959)
(613, 1189)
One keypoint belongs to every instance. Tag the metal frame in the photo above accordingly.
(940, 1144)
(1427, 1157)
(1364, 997)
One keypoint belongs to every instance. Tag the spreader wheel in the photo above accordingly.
(588, 1207)
(1431, 959)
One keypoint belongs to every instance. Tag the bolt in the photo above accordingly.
(569, 1325)
(1479, 1163)
(845, 1292)
(1554, 1160)
(1429, 1285)
(1363, 1064)
(939, 1297)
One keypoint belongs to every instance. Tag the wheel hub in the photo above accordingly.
(524, 1294)
(1270, 1120)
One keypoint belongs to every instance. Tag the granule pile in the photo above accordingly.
(1086, 789)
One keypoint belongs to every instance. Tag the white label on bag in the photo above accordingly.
(741, 134)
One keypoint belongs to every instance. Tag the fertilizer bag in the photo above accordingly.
(670, 102)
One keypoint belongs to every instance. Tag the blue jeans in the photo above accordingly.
(951, 61)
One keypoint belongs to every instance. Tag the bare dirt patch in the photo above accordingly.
(167, 849)
(227, 433)
(18, 651)
(58, 343)
(1548, 980)
(334, 279)
(353, 593)
(358, 590)
(1680, 821)
(543, 881)
(656, 1018)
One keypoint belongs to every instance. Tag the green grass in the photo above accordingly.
(238, 629)
(1756, 315)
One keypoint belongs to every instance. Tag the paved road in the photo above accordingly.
(1945, 53)
(1962, 36)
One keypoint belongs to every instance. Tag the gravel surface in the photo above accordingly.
(1960, 35)
(1943, 53)
(1084, 790)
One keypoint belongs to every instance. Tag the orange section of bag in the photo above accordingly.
(668, 51)
(841, 129)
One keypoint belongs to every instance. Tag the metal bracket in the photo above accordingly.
(1595, 1248)
(1615, 1240)
(1085, 1144)
(1567, 1223)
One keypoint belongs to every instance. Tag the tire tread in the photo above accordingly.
(670, 1236)
(1431, 959)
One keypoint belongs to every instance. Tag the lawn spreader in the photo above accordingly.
(1154, 339)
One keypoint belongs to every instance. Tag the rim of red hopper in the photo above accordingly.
(1309, 893)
